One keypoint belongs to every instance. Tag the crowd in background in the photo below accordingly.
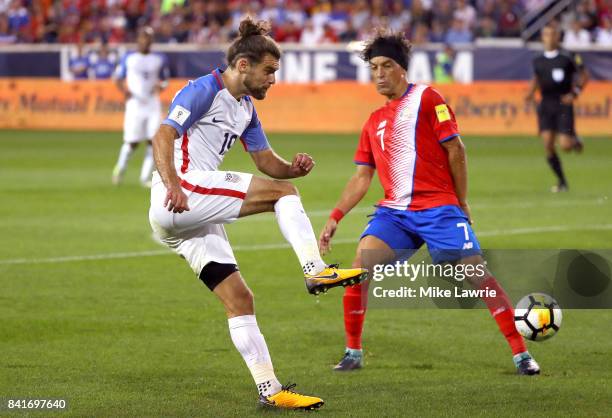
(309, 22)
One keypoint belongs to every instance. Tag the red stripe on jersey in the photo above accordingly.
(214, 191)
(219, 82)
(185, 148)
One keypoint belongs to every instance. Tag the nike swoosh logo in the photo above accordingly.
(331, 276)
(216, 121)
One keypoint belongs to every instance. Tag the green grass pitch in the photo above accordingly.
(122, 334)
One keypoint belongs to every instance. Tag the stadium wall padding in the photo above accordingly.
(471, 63)
(482, 108)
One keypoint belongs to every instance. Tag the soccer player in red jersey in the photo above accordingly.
(413, 143)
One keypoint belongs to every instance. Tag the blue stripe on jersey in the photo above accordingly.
(253, 137)
(448, 138)
(196, 97)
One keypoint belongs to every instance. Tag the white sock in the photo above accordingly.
(147, 165)
(124, 156)
(297, 229)
(251, 345)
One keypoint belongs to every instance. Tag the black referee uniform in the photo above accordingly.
(555, 75)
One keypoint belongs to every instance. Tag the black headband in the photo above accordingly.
(389, 51)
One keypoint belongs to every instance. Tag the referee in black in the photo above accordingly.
(560, 76)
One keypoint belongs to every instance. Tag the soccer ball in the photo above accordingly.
(537, 316)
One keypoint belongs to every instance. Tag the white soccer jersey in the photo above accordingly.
(142, 73)
(210, 119)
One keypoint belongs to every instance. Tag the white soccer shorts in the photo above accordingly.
(141, 120)
(198, 235)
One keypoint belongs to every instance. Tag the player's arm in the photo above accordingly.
(273, 165)
(582, 77)
(457, 161)
(353, 192)
(163, 152)
(533, 87)
(119, 77)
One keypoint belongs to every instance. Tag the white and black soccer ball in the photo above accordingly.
(537, 316)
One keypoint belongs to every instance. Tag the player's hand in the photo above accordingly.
(301, 165)
(326, 236)
(176, 200)
(568, 98)
(466, 209)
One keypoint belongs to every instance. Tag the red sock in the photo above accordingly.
(355, 306)
(502, 311)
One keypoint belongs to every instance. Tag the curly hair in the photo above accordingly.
(388, 40)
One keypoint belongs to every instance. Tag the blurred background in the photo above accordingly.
(480, 52)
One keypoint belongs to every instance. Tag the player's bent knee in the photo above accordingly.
(214, 273)
(286, 188)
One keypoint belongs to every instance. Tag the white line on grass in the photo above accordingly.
(278, 246)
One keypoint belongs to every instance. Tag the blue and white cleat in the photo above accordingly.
(352, 360)
(525, 364)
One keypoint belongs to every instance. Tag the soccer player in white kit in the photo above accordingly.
(140, 76)
(191, 199)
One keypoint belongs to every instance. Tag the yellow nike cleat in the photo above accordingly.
(333, 276)
(289, 399)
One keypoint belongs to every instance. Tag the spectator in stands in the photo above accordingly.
(465, 12)
(586, 14)
(79, 63)
(420, 14)
(399, 18)
(165, 33)
(508, 24)
(103, 67)
(296, 13)
(320, 13)
(360, 14)
(420, 34)
(6, 37)
(311, 35)
(339, 17)
(329, 35)
(443, 69)
(443, 13)
(177, 20)
(350, 33)
(273, 12)
(437, 32)
(18, 19)
(288, 32)
(458, 33)
(487, 28)
(603, 34)
(576, 36)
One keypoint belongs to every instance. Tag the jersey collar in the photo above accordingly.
(551, 54)
(217, 74)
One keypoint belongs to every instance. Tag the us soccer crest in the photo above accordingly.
(558, 74)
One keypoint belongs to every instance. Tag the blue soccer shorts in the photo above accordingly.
(445, 229)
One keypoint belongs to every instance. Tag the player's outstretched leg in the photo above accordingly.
(125, 153)
(282, 198)
(503, 312)
(248, 340)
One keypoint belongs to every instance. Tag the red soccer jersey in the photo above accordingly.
(402, 140)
